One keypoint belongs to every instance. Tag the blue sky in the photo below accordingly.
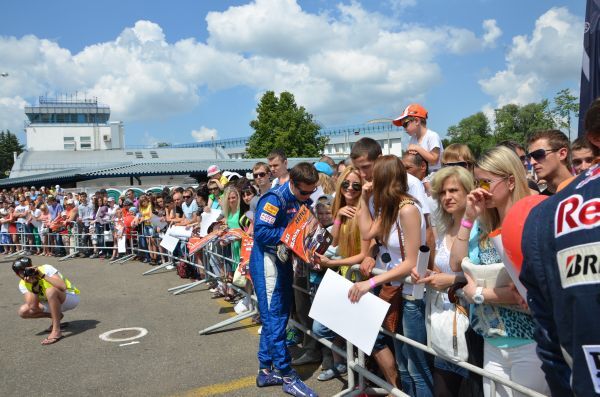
(183, 71)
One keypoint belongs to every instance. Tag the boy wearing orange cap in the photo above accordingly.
(423, 141)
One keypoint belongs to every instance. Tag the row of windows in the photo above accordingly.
(68, 118)
(69, 143)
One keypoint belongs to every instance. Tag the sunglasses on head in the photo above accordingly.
(486, 184)
(259, 174)
(540, 154)
(463, 164)
(356, 186)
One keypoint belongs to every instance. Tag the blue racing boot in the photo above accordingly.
(292, 384)
(268, 377)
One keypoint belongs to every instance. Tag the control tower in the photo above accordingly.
(71, 124)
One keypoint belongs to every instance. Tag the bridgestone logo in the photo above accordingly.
(579, 265)
(574, 214)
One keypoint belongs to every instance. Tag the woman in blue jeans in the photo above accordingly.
(400, 227)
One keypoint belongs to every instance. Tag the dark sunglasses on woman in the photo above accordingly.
(355, 185)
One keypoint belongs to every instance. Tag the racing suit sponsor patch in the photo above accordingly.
(267, 218)
(579, 265)
(271, 209)
(590, 175)
(592, 356)
(573, 214)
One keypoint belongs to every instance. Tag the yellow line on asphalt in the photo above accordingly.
(221, 388)
(246, 322)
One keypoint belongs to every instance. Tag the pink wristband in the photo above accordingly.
(466, 223)
(337, 222)
(372, 282)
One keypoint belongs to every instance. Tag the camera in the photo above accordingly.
(30, 272)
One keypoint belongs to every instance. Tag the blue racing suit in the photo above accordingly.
(561, 271)
(272, 278)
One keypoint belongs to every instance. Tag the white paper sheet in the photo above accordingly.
(207, 219)
(169, 242)
(358, 322)
(121, 244)
(180, 231)
(156, 222)
(510, 267)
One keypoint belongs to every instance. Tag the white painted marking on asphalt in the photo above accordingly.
(130, 343)
(107, 335)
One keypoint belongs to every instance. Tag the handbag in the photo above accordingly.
(391, 293)
(108, 236)
(448, 324)
(239, 277)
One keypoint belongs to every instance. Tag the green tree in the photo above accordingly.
(517, 123)
(9, 143)
(473, 131)
(565, 104)
(280, 123)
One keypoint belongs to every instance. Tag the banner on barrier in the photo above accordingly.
(197, 243)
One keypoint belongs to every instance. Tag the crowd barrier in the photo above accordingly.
(212, 264)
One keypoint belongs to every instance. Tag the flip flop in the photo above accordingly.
(51, 341)
(62, 326)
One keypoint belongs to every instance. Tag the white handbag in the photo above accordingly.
(448, 324)
(108, 236)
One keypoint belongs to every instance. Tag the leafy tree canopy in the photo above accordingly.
(282, 124)
(9, 143)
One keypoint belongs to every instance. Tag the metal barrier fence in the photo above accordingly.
(212, 262)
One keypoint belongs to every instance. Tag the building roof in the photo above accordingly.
(184, 167)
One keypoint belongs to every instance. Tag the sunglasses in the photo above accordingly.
(540, 154)
(463, 164)
(406, 122)
(523, 158)
(578, 162)
(355, 185)
(306, 192)
(486, 184)
(259, 175)
(187, 197)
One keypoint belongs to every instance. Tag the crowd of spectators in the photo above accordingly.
(380, 210)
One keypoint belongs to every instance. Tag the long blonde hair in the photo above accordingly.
(503, 162)
(326, 183)
(390, 186)
(351, 233)
(225, 204)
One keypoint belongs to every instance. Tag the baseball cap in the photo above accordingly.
(133, 210)
(412, 110)
(324, 168)
(70, 202)
(212, 170)
(111, 199)
(127, 202)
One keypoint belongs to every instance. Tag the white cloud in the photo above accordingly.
(341, 61)
(204, 134)
(492, 33)
(551, 55)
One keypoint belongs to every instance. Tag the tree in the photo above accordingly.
(473, 131)
(281, 124)
(564, 105)
(517, 123)
(9, 143)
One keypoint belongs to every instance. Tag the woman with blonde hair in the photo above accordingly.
(497, 315)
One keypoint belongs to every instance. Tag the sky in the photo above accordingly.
(185, 70)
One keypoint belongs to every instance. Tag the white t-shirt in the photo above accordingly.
(393, 248)
(36, 214)
(21, 209)
(430, 141)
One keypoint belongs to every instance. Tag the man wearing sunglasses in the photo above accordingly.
(549, 156)
(273, 277)
(561, 271)
(261, 172)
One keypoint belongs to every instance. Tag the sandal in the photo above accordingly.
(51, 341)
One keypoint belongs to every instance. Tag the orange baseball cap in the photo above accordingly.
(412, 110)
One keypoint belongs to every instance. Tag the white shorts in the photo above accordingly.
(71, 302)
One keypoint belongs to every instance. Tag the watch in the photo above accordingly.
(478, 296)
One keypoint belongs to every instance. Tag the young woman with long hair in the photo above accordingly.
(509, 348)
(399, 226)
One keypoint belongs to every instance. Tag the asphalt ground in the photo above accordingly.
(171, 360)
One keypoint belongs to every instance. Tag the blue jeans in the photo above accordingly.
(412, 362)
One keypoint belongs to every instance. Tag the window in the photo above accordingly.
(69, 143)
(85, 142)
